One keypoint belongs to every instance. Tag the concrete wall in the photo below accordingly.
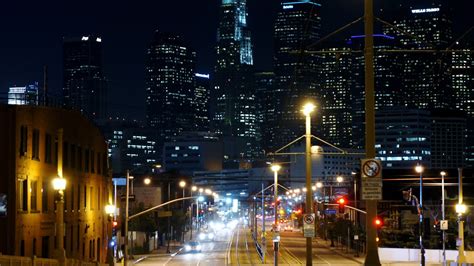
(411, 255)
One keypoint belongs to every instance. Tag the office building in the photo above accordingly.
(403, 138)
(131, 146)
(266, 106)
(84, 84)
(425, 75)
(28, 165)
(193, 151)
(24, 95)
(169, 81)
(233, 100)
(201, 101)
(297, 26)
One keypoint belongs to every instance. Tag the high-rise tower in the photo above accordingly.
(84, 85)
(169, 81)
(233, 112)
(425, 75)
(297, 26)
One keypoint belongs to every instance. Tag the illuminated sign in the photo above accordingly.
(288, 7)
(206, 76)
(425, 10)
(85, 38)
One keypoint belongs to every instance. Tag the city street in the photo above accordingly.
(213, 253)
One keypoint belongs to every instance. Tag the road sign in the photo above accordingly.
(165, 214)
(308, 225)
(371, 193)
(330, 211)
(130, 197)
(371, 168)
(443, 225)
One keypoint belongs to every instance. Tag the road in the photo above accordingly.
(213, 253)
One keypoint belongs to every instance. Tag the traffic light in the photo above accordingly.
(342, 203)
(378, 222)
(113, 240)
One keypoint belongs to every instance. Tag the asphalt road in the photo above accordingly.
(213, 253)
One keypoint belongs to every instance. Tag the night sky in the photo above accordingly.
(32, 31)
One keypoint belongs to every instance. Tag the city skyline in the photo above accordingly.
(125, 27)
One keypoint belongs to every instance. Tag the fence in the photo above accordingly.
(6, 260)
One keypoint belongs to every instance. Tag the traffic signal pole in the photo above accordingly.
(372, 258)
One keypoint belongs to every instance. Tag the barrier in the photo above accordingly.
(6, 260)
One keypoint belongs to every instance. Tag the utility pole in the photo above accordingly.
(372, 258)
(461, 256)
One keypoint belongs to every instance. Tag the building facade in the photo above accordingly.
(233, 100)
(29, 164)
(169, 81)
(297, 26)
(24, 95)
(84, 84)
(201, 101)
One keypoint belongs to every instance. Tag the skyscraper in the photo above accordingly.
(297, 26)
(84, 84)
(201, 101)
(233, 105)
(169, 81)
(425, 76)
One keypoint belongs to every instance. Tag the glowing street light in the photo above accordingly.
(147, 181)
(339, 179)
(193, 188)
(319, 185)
(110, 209)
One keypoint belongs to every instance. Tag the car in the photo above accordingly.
(288, 228)
(203, 236)
(192, 246)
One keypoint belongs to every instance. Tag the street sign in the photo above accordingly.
(330, 211)
(165, 214)
(443, 225)
(371, 193)
(371, 168)
(130, 197)
(308, 225)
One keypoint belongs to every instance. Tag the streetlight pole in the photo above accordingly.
(307, 109)
(59, 184)
(372, 258)
(419, 169)
(460, 209)
(443, 174)
(275, 168)
(125, 242)
(193, 189)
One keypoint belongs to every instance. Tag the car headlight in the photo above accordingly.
(198, 247)
(202, 236)
(210, 235)
(187, 247)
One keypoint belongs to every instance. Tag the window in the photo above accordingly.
(91, 195)
(23, 194)
(23, 140)
(79, 158)
(35, 149)
(92, 162)
(78, 197)
(33, 195)
(72, 199)
(44, 197)
(98, 164)
(73, 156)
(65, 154)
(47, 148)
(86, 161)
(45, 247)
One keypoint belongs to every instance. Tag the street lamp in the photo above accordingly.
(59, 184)
(419, 169)
(339, 179)
(460, 210)
(182, 184)
(307, 110)
(443, 174)
(275, 168)
(208, 191)
(319, 185)
(147, 181)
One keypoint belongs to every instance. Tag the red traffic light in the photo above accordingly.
(378, 222)
(114, 224)
(341, 201)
